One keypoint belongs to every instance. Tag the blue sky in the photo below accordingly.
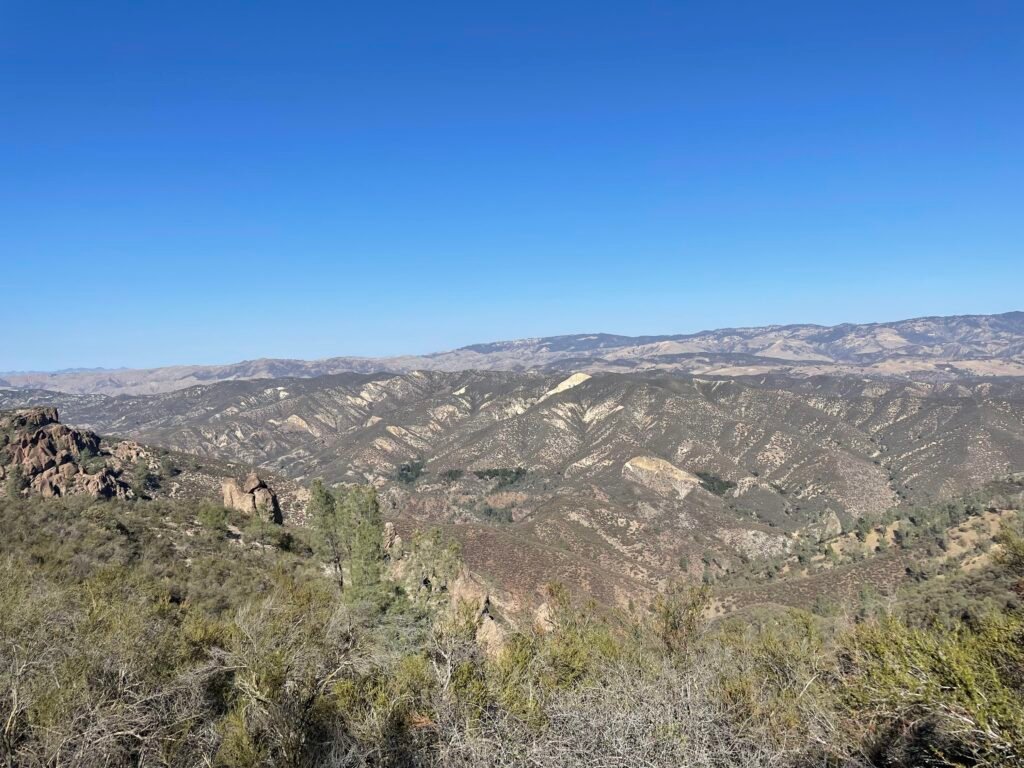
(215, 181)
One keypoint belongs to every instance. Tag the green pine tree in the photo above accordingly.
(142, 479)
(333, 524)
(16, 482)
(367, 555)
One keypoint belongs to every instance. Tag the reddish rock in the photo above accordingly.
(47, 452)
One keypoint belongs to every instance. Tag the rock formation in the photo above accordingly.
(393, 545)
(50, 458)
(660, 476)
(251, 496)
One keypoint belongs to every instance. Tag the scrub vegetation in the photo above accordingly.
(153, 633)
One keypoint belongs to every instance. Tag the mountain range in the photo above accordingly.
(928, 348)
(608, 482)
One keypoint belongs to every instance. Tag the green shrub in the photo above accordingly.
(128, 639)
(505, 475)
(410, 471)
(16, 482)
(143, 480)
(715, 484)
(213, 517)
(495, 514)
(939, 697)
(452, 475)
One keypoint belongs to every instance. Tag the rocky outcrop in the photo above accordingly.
(251, 496)
(50, 459)
(129, 452)
(660, 476)
(39, 456)
(27, 418)
(830, 526)
(490, 635)
(468, 592)
(393, 544)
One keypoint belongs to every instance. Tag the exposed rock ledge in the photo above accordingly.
(660, 476)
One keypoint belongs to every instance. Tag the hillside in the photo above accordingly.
(612, 483)
(931, 348)
(156, 632)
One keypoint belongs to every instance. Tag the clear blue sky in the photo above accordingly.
(214, 181)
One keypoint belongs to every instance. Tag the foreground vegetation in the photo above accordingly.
(170, 634)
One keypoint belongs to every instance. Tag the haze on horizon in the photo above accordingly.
(200, 184)
(413, 355)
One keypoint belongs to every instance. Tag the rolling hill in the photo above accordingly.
(930, 348)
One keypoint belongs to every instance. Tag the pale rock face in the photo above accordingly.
(237, 499)
(573, 381)
(660, 476)
(466, 589)
(250, 496)
(393, 544)
(755, 543)
(832, 526)
(490, 636)
(264, 499)
(543, 620)
(252, 482)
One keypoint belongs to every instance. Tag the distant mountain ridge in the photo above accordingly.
(927, 348)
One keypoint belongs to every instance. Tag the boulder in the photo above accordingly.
(490, 636)
(544, 618)
(250, 496)
(237, 499)
(129, 452)
(266, 502)
(104, 484)
(48, 489)
(252, 482)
